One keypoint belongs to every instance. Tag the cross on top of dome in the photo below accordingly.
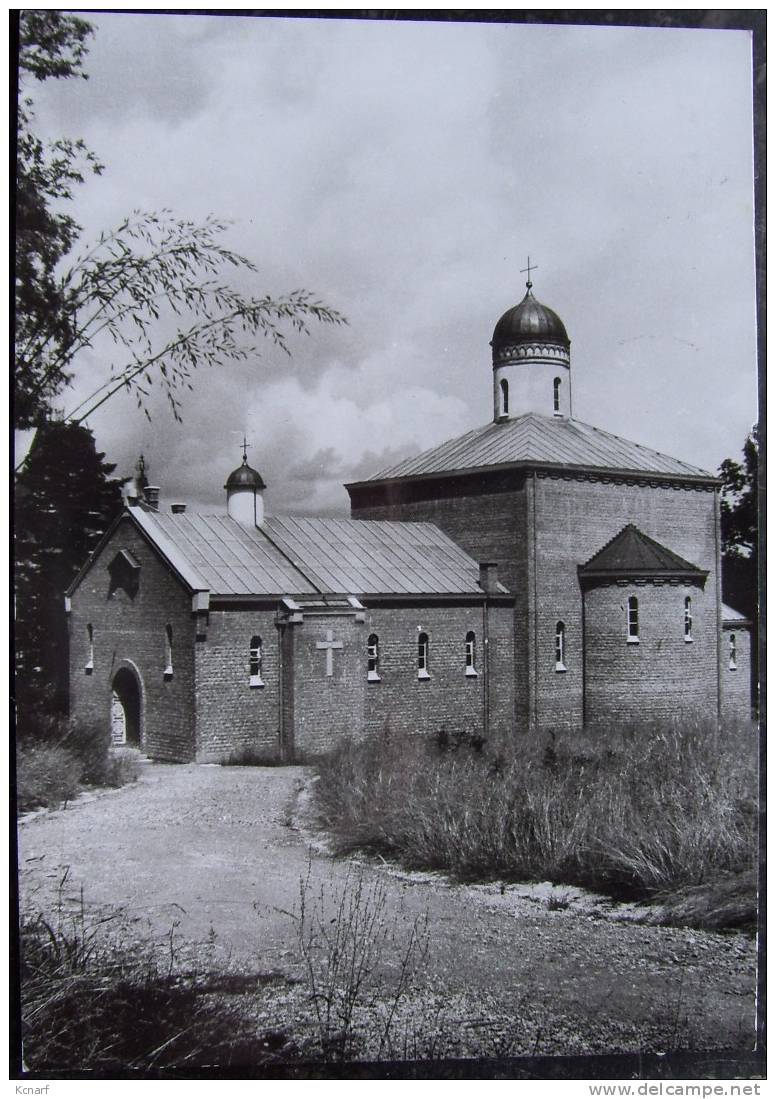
(528, 270)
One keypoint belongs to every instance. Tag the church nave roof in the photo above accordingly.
(533, 439)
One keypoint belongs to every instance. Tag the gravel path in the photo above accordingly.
(216, 854)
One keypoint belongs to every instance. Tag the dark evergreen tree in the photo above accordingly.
(739, 515)
(65, 499)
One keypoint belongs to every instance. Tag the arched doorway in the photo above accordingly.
(125, 709)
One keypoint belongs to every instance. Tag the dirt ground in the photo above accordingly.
(215, 855)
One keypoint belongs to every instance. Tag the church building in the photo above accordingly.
(535, 574)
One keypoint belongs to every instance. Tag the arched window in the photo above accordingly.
(373, 658)
(687, 618)
(423, 672)
(254, 664)
(633, 619)
(733, 664)
(89, 667)
(504, 397)
(168, 651)
(556, 395)
(471, 653)
(560, 647)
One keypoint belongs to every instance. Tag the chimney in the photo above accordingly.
(152, 497)
(177, 509)
(489, 576)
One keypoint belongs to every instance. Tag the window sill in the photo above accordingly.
(372, 677)
(168, 673)
(256, 681)
(688, 641)
(471, 672)
(560, 667)
(423, 675)
(732, 667)
(89, 668)
(633, 640)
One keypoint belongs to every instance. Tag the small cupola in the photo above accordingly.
(245, 493)
(531, 360)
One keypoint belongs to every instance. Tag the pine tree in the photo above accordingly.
(66, 498)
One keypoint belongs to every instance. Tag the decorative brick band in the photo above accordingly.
(627, 478)
(546, 352)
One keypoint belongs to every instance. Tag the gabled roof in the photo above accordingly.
(225, 557)
(288, 556)
(375, 557)
(634, 555)
(531, 440)
(732, 617)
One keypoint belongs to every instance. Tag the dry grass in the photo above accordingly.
(56, 758)
(91, 1005)
(638, 813)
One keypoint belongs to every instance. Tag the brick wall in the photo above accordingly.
(232, 715)
(663, 677)
(326, 709)
(573, 519)
(130, 632)
(487, 516)
(736, 682)
(449, 698)
(539, 528)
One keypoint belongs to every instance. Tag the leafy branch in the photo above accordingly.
(151, 272)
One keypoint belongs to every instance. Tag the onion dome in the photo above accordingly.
(244, 477)
(531, 323)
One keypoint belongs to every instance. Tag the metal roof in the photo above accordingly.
(217, 554)
(729, 615)
(631, 553)
(375, 557)
(546, 440)
(530, 322)
(310, 556)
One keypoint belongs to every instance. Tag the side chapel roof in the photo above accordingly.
(633, 555)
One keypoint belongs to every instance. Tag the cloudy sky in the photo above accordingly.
(402, 172)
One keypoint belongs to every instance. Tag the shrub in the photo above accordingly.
(641, 813)
(56, 756)
(46, 775)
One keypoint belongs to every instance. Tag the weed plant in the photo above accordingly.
(360, 963)
(57, 757)
(90, 1004)
(639, 813)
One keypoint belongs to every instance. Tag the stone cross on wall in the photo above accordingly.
(329, 645)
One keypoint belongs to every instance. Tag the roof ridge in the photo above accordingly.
(316, 583)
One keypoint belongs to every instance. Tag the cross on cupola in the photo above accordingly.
(329, 645)
(527, 270)
(246, 446)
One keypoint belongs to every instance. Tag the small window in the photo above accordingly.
(255, 659)
(556, 395)
(168, 651)
(560, 647)
(733, 654)
(504, 397)
(688, 618)
(89, 668)
(471, 653)
(633, 620)
(373, 658)
(423, 672)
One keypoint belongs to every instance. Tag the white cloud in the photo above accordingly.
(403, 170)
